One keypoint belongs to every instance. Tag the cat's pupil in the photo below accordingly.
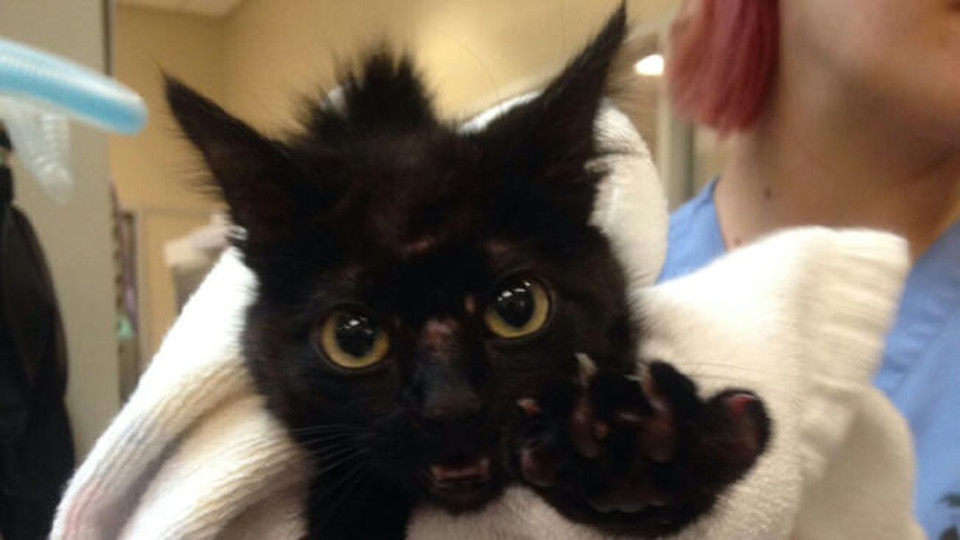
(515, 303)
(356, 333)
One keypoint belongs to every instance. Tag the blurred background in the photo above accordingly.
(137, 235)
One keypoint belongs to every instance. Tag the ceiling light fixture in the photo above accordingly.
(650, 66)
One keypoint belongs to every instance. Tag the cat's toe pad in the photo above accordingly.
(538, 464)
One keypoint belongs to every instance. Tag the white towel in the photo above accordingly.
(799, 318)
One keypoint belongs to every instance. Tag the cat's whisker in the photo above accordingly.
(338, 465)
(341, 489)
(343, 437)
(347, 484)
(332, 453)
(344, 480)
(328, 427)
(342, 459)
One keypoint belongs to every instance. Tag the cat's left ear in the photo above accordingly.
(550, 139)
(567, 108)
(252, 172)
(559, 122)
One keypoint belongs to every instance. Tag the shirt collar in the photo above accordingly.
(931, 294)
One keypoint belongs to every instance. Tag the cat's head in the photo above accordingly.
(416, 280)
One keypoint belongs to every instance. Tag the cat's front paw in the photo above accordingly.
(641, 456)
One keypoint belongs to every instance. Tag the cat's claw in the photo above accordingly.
(529, 406)
(586, 369)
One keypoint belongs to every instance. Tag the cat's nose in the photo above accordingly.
(447, 395)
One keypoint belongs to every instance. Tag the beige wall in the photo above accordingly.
(155, 173)
(76, 236)
(472, 51)
(153, 169)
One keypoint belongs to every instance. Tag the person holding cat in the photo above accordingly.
(843, 114)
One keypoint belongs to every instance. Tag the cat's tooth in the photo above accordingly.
(478, 469)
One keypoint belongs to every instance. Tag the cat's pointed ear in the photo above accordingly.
(546, 144)
(556, 129)
(568, 106)
(251, 171)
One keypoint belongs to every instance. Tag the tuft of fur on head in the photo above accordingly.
(386, 95)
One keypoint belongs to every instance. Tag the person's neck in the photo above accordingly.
(840, 171)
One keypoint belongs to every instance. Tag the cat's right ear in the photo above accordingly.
(251, 171)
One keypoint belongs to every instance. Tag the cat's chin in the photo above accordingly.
(466, 499)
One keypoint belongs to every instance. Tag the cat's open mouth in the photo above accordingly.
(463, 482)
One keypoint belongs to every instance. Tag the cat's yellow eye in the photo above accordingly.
(351, 339)
(520, 307)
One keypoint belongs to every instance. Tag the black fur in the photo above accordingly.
(378, 203)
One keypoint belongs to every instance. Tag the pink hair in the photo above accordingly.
(723, 57)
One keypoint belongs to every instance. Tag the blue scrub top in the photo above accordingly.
(921, 365)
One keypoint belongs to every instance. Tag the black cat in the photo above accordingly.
(437, 318)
